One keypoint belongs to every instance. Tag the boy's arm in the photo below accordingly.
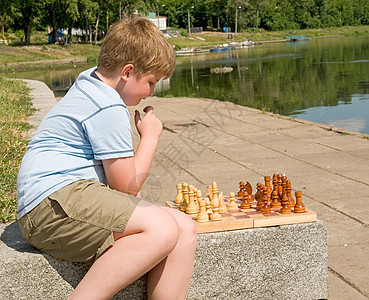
(128, 174)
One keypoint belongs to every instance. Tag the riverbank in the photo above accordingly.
(15, 58)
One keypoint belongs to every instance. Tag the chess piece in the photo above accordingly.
(266, 208)
(299, 206)
(179, 194)
(280, 188)
(208, 192)
(248, 189)
(192, 207)
(214, 193)
(285, 208)
(267, 183)
(202, 216)
(232, 205)
(275, 200)
(240, 193)
(291, 202)
(275, 182)
(258, 191)
(208, 207)
(185, 198)
(222, 207)
(245, 203)
(215, 216)
(261, 199)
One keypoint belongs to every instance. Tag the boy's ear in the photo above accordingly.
(125, 72)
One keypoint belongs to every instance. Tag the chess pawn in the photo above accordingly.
(245, 204)
(291, 202)
(202, 216)
(275, 200)
(261, 199)
(232, 205)
(266, 208)
(285, 208)
(222, 207)
(215, 195)
(185, 198)
(240, 193)
(191, 208)
(179, 194)
(299, 206)
(215, 216)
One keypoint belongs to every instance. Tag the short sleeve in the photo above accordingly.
(109, 133)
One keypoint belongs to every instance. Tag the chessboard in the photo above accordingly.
(267, 207)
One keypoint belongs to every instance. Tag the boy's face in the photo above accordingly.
(138, 88)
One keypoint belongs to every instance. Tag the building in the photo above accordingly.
(159, 21)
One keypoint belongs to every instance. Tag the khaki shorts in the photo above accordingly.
(76, 223)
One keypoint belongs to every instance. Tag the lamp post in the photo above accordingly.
(235, 27)
(189, 21)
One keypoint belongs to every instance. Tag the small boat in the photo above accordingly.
(190, 51)
(222, 49)
(297, 38)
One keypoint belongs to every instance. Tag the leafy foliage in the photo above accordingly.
(95, 16)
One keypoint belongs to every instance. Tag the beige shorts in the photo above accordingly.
(76, 223)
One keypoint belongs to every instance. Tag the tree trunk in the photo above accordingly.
(27, 33)
(86, 35)
(53, 21)
(97, 28)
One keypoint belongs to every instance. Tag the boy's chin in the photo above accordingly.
(133, 103)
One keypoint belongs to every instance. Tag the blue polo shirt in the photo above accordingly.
(90, 124)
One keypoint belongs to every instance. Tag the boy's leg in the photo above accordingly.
(171, 278)
(151, 234)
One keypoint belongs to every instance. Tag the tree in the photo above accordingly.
(25, 14)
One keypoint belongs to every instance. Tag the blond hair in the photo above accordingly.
(137, 41)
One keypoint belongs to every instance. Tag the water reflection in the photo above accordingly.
(322, 80)
(351, 115)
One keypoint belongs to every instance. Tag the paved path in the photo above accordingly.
(205, 140)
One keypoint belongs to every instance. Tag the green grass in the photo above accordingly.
(15, 107)
(213, 38)
(17, 54)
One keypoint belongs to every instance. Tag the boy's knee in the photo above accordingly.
(187, 230)
(167, 234)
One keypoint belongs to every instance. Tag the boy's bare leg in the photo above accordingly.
(171, 278)
(152, 234)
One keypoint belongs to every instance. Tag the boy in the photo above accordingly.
(79, 179)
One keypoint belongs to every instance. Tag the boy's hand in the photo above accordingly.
(149, 125)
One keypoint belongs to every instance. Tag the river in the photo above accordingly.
(320, 80)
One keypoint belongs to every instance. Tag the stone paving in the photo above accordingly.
(206, 140)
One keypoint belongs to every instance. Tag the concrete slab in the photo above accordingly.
(350, 264)
(342, 291)
(344, 142)
(341, 229)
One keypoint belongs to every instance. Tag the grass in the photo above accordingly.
(11, 55)
(15, 107)
(213, 38)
